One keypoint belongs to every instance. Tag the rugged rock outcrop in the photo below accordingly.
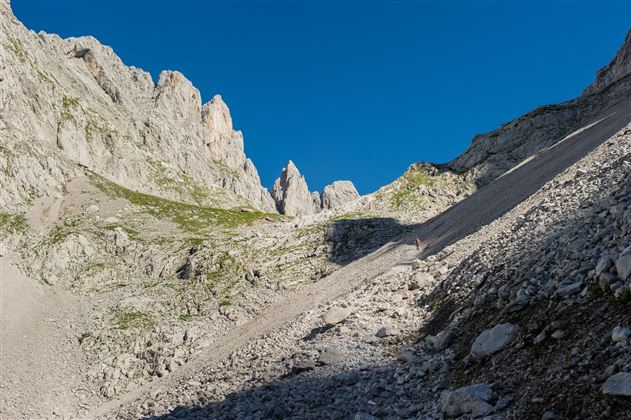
(492, 154)
(72, 101)
(292, 196)
(337, 194)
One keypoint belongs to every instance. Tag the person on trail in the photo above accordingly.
(418, 244)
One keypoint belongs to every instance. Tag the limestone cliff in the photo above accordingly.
(71, 104)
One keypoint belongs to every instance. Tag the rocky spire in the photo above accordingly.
(291, 193)
(293, 198)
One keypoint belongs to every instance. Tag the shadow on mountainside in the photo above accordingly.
(500, 196)
(551, 376)
(544, 372)
(352, 239)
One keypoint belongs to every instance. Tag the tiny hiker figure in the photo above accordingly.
(418, 244)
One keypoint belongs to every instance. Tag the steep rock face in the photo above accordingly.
(73, 101)
(617, 69)
(492, 154)
(291, 193)
(338, 193)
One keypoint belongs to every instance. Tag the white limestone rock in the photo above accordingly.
(291, 194)
(338, 193)
(77, 105)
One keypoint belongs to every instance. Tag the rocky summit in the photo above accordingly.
(146, 273)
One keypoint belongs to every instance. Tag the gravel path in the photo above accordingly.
(40, 360)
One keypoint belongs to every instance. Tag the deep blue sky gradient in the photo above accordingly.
(356, 90)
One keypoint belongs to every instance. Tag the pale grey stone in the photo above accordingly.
(493, 340)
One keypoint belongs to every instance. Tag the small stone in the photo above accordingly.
(386, 332)
(620, 334)
(92, 209)
(363, 416)
(442, 340)
(618, 385)
(539, 338)
(602, 265)
(623, 264)
(493, 340)
(336, 315)
(558, 334)
(570, 289)
(331, 357)
(408, 356)
(472, 400)
(303, 364)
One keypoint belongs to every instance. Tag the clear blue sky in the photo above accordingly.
(356, 90)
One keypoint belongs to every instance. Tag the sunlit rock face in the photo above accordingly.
(73, 101)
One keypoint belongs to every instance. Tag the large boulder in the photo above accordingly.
(493, 340)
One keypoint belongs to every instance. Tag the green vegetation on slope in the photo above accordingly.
(128, 320)
(407, 187)
(13, 223)
(188, 217)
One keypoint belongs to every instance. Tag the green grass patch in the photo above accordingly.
(406, 193)
(352, 215)
(625, 295)
(59, 234)
(225, 302)
(185, 317)
(189, 217)
(84, 337)
(137, 320)
(13, 223)
(68, 107)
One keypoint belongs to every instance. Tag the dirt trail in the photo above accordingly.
(40, 360)
(463, 219)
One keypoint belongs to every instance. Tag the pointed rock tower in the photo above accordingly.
(291, 193)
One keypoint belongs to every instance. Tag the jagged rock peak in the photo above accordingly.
(291, 194)
(338, 193)
(216, 116)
